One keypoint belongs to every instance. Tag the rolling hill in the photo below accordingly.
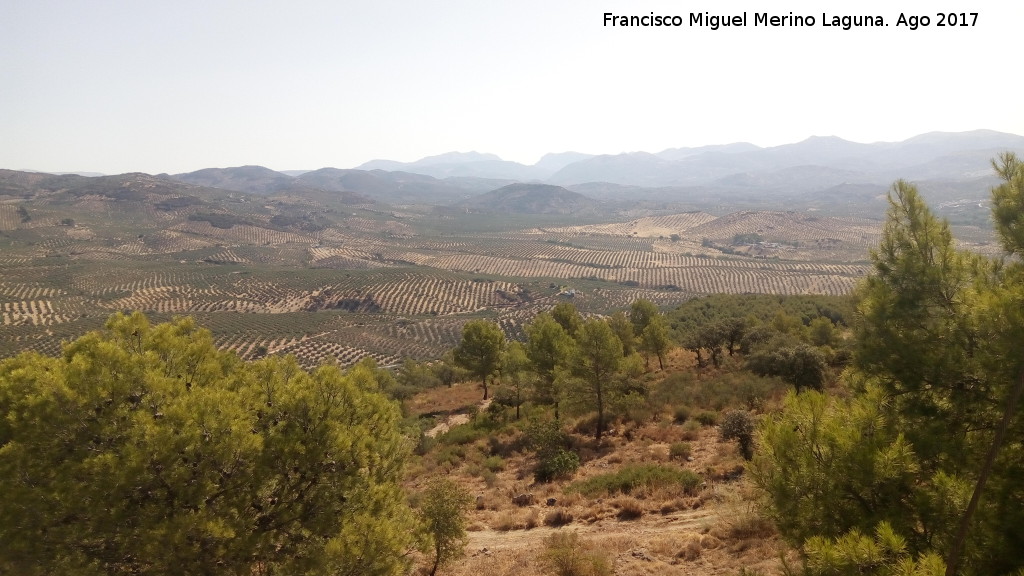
(531, 199)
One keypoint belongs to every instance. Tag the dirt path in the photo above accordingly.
(647, 526)
(454, 420)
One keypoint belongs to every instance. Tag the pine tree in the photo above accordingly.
(515, 375)
(641, 314)
(479, 352)
(550, 350)
(145, 450)
(597, 366)
(443, 516)
(655, 340)
(938, 355)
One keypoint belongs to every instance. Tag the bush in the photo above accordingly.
(629, 508)
(450, 456)
(141, 438)
(545, 436)
(560, 464)
(634, 407)
(494, 463)
(567, 556)
(739, 425)
(726, 390)
(557, 518)
(425, 444)
(637, 476)
(707, 418)
(549, 442)
(681, 414)
(802, 366)
(691, 430)
(680, 450)
(462, 435)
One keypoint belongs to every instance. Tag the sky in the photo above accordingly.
(115, 86)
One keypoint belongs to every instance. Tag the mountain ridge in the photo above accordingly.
(738, 174)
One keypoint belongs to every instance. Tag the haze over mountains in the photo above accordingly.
(963, 154)
(812, 174)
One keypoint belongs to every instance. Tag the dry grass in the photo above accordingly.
(651, 531)
(444, 400)
(557, 518)
(629, 508)
(738, 516)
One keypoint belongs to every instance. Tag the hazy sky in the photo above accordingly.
(161, 86)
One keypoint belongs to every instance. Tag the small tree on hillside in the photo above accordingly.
(447, 371)
(623, 329)
(568, 317)
(551, 445)
(597, 366)
(480, 349)
(802, 366)
(641, 314)
(550, 349)
(443, 513)
(515, 375)
(739, 425)
(655, 340)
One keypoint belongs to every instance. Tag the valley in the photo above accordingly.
(369, 282)
(337, 265)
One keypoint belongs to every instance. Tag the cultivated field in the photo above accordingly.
(338, 282)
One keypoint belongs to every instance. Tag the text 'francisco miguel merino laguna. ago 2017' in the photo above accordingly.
(845, 22)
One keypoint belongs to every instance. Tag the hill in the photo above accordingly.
(462, 164)
(251, 179)
(530, 199)
(390, 187)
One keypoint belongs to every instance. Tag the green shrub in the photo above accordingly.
(560, 464)
(425, 444)
(680, 450)
(450, 456)
(550, 443)
(674, 390)
(637, 476)
(739, 425)
(634, 407)
(462, 435)
(691, 430)
(545, 436)
(681, 414)
(494, 463)
(725, 390)
(707, 418)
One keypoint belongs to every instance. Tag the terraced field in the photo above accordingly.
(337, 283)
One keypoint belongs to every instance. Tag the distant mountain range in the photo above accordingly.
(936, 155)
(813, 174)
